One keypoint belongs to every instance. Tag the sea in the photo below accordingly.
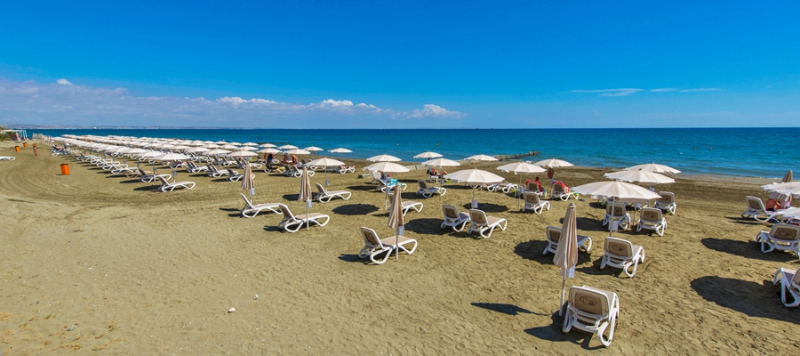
(749, 152)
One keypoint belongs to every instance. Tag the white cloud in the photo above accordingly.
(663, 90)
(63, 81)
(430, 110)
(700, 90)
(611, 92)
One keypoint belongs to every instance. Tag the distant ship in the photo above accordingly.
(94, 128)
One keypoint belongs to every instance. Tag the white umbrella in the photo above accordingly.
(313, 149)
(249, 144)
(474, 177)
(325, 162)
(481, 158)
(248, 148)
(230, 147)
(198, 149)
(269, 150)
(784, 188)
(441, 162)
(305, 191)
(640, 177)
(297, 151)
(213, 145)
(383, 158)
(616, 190)
(235, 143)
(243, 154)
(217, 151)
(172, 157)
(396, 220)
(652, 167)
(268, 145)
(386, 167)
(428, 155)
(553, 163)
(521, 168)
(340, 150)
(288, 147)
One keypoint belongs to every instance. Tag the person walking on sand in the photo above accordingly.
(34, 150)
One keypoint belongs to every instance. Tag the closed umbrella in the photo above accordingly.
(653, 167)
(248, 183)
(567, 251)
(305, 191)
(474, 177)
(788, 177)
(521, 168)
(396, 219)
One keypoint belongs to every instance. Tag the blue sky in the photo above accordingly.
(401, 64)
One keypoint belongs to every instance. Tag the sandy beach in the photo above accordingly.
(94, 262)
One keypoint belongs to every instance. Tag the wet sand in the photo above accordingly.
(97, 262)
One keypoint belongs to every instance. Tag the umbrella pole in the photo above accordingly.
(472, 203)
(397, 244)
(561, 304)
(307, 228)
(519, 196)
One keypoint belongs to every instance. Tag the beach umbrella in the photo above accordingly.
(475, 178)
(243, 153)
(269, 150)
(396, 218)
(617, 190)
(521, 168)
(267, 145)
(288, 147)
(171, 157)
(553, 163)
(386, 167)
(428, 155)
(247, 148)
(340, 150)
(217, 151)
(652, 167)
(383, 158)
(248, 181)
(313, 149)
(249, 144)
(305, 191)
(788, 177)
(640, 176)
(325, 162)
(198, 150)
(235, 143)
(784, 188)
(441, 162)
(230, 147)
(297, 151)
(481, 158)
(566, 256)
(212, 146)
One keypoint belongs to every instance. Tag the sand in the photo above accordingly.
(98, 262)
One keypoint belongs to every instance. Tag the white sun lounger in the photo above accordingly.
(482, 223)
(533, 202)
(652, 219)
(167, 186)
(148, 176)
(293, 223)
(756, 210)
(790, 283)
(7, 158)
(251, 210)
(408, 205)
(666, 202)
(453, 218)
(325, 196)
(553, 235)
(622, 254)
(781, 237)
(374, 246)
(592, 310)
(428, 191)
(560, 193)
(615, 212)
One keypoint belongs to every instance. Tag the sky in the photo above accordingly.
(400, 64)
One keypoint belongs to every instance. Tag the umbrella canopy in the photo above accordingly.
(521, 168)
(620, 190)
(383, 158)
(249, 144)
(652, 167)
(288, 147)
(305, 191)
(396, 218)
(474, 177)
(243, 154)
(326, 162)
(230, 147)
(247, 148)
(198, 149)
(788, 177)
(567, 251)
(297, 151)
(172, 157)
(441, 162)
(640, 176)
(428, 155)
(313, 149)
(217, 151)
(386, 167)
(481, 158)
(268, 145)
(553, 163)
(340, 150)
(248, 181)
(151, 154)
(269, 150)
(784, 188)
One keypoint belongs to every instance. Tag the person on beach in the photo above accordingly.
(34, 150)
(294, 160)
(774, 204)
(286, 158)
(550, 173)
(270, 157)
(538, 184)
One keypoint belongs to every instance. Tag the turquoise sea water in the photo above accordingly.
(759, 152)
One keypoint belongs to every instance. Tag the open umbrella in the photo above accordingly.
(267, 145)
(521, 168)
(617, 190)
(784, 188)
(474, 177)
(553, 163)
(386, 167)
(297, 151)
(639, 176)
(383, 158)
(652, 167)
(305, 191)
(428, 155)
(480, 158)
(340, 150)
(441, 162)
(567, 251)
(288, 147)
(325, 162)
(396, 219)
(313, 149)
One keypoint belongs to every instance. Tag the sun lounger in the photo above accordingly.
(167, 186)
(553, 235)
(533, 202)
(482, 223)
(215, 172)
(790, 283)
(622, 254)
(293, 223)
(7, 158)
(782, 237)
(652, 219)
(250, 210)
(504, 187)
(616, 215)
(234, 176)
(428, 191)
(325, 196)
(756, 210)
(666, 202)
(192, 167)
(453, 218)
(560, 193)
(376, 178)
(148, 176)
(391, 185)
(408, 205)
(592, 310)
(374, 246)
(533, 187)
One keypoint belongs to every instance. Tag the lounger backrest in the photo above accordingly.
(650, 214)
(588, 301)
(532, 198)
(246, 201)
(287, 214)
(423, 184)
(450, 212)
(553, 234)
(558, 188)
(785, 232)
(163, 181)
(231, 172)
(478, 217)
(615, 209)
(376, 175)
(796, 279)
(371, 237)
(666, 197)
(619, 247)
(320, 188)
(532, 187)
(755, 203)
